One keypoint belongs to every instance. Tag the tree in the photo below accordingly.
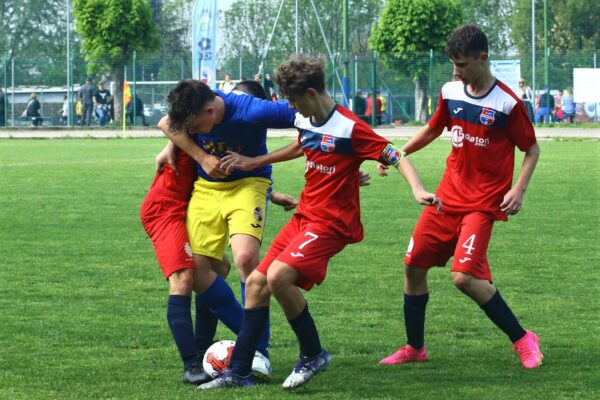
(112, 30)
(408, 29)
(494, 17)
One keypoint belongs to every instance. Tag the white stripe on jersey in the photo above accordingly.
(497, 99)
(337, 126)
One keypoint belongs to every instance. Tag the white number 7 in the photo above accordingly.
(313, 237)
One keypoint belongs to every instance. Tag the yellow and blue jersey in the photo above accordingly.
(244, 130)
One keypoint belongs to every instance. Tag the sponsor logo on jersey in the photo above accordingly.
(328, 144)
(325, 169)
(464, 260)
(391, 154)
(487, 116)
(458, 138)
(457, 110)
(296, 255)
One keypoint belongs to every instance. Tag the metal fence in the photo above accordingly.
(152, 79)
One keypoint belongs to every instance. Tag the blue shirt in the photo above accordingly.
(244, 130)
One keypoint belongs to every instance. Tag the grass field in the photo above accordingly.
(82, 301)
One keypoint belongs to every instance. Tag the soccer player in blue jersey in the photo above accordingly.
(224, 206)
(335, 142)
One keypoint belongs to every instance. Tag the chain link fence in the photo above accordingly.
(399, 84)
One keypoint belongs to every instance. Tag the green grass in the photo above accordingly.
(82, 301)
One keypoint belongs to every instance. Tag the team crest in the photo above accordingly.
(328, 144)
(487, 116)
(258, 214)
(391, 154)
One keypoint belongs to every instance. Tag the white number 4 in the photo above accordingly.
(468, 244)
(313, 237)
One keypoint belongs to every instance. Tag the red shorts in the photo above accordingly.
(163, 219)
(437, 237)
(306, 247)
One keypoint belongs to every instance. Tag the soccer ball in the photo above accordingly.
(217, 357)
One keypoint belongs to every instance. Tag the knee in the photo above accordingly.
(256, 285)
(462, 281)
(278, 280)
(246, 261)
(181, 282)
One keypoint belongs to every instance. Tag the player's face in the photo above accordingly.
(302, 103)
(204, 122)
(468, 69)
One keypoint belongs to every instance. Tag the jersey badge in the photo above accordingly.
(391, 154)
(258, 214)
(328, 144)
(487, 116)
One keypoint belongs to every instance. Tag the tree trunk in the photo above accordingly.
(421, 99)
(118, 76)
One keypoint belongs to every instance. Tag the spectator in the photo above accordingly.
(568, 106)
(369, 110)
(360, 105)
(525, 94)
(227, 85)
(64, 111)
(2, 119)
(33, 111)
(557, 113)
(269, 86)
(383, 101)
(86, 96)
(258, 78)
(139, 111)
(101, 99)
(546, 104)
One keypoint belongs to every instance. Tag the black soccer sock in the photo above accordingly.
(498, 311)
(206, 326)
(414, 319)
(306, 331)
(253, 324)
(179, 317)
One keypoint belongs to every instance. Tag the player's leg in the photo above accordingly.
(471, 275)
(245, 208)
(302, 264)
(431, 244)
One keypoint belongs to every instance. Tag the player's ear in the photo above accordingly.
(483, 56)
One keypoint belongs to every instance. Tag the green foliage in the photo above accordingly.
(83, 300)
(494, 18)
(113, 29)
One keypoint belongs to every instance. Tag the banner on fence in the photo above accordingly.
(204, 31)
(507, 71)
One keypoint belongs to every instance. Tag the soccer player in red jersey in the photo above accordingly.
(335, 142)
(487, 121)
(163, 215)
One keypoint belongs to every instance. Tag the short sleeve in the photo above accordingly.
(441, 117)
(520, 129)
(366, 143)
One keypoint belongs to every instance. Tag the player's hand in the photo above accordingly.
(364, 178)
(382, 169)
(233, 160)
(512, 202)
(166, 156)
(428, 199)
(284, 200)
(212, 166)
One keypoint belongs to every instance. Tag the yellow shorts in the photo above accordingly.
(239, 206)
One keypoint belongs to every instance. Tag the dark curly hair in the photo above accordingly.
(253, 88)
(187, 101)
(301, 72)
(467, 40)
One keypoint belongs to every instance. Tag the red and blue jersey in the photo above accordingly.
(334, 151)
(485, 131)
(243, 130)
(178, 186)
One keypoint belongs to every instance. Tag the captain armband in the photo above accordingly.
(391, 155)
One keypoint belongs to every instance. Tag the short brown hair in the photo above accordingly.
(301, 72)
(467, 40)
(186, 101)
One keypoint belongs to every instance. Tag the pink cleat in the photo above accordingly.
(405, 354)
(528, 348)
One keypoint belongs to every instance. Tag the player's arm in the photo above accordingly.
(397, 158)
(422, 138)
(209, 163)
(271, 114)
(237, 161)
(513, 199)
(288, 202)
